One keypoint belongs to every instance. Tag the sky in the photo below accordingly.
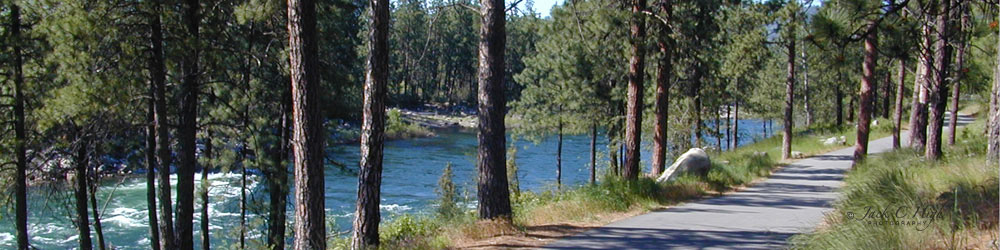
(543, 6)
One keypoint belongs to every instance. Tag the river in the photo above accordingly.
(411, 171)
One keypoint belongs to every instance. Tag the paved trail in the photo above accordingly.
(792, 201)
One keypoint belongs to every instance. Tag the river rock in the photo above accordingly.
(694, 159)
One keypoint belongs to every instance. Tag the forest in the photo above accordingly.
(169, 95)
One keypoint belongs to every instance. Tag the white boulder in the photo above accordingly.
(694, 159)
(797, 155)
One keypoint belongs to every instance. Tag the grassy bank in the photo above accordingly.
(950, 204)
(541, 217)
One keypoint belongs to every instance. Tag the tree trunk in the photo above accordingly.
(187, 129)
(867, 87)
(874, 102)
(593, 153)
(786, 141)
(736, 124)
(718, 133)
(850, 107)
(918, 113)
(205, 240)
(494, 194)
(805, 89)
(729, 128)
(633, 118)
(696, 111)
(20, 137)
(277, 180)
(887, 92)
(559, 156)
(154, 233)
(82, 221)
(993, 125)
(938, 89)
(308, 138)
(612, 155)
(960, 74)
(839, 102)
(241, 160)
(157, 75)
(96, 213)
(663, 74)
(367, 215)
(898, 114)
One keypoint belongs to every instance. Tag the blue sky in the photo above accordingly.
(543, 6)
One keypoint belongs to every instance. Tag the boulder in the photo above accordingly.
(830, 141)
(797, 155)
(694, 159)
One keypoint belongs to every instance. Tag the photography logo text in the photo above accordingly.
(916, 216)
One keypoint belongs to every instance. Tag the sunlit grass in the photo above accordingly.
(611, 197)
(962, 186)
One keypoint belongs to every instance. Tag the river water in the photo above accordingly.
(411, 171)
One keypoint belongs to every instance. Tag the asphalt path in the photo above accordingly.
(791, 201)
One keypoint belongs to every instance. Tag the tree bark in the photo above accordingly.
(963, 41)
(786, 141)
(839, 100)
(205, 240)
(82, 220)
(559, 146)
(96, 213)
(154, 232)
(918, 113)
(277, 180)
(187, 129)
(993, 125)
(663, 74)
(805, 89)
(157, 75)
(938, 90)
(307, 139)
(867, 89)
(494, 194)
(612, 154)
(241, 160)
(633, 118)
(718, 131)
(367, 215)
(729, 128)
(736, 123)
(850, 106)
(20, 137)
(898, 115)
(593, 153)
(887, 92)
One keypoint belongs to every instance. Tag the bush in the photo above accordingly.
(447, 194)
(397, 128)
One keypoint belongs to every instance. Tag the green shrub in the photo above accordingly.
(397, 128)
(447, 194)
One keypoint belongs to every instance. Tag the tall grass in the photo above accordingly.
(953, 202)
(594, 203)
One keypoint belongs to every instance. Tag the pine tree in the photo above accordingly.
(373, 129)
(307, 140)
(494, 196)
